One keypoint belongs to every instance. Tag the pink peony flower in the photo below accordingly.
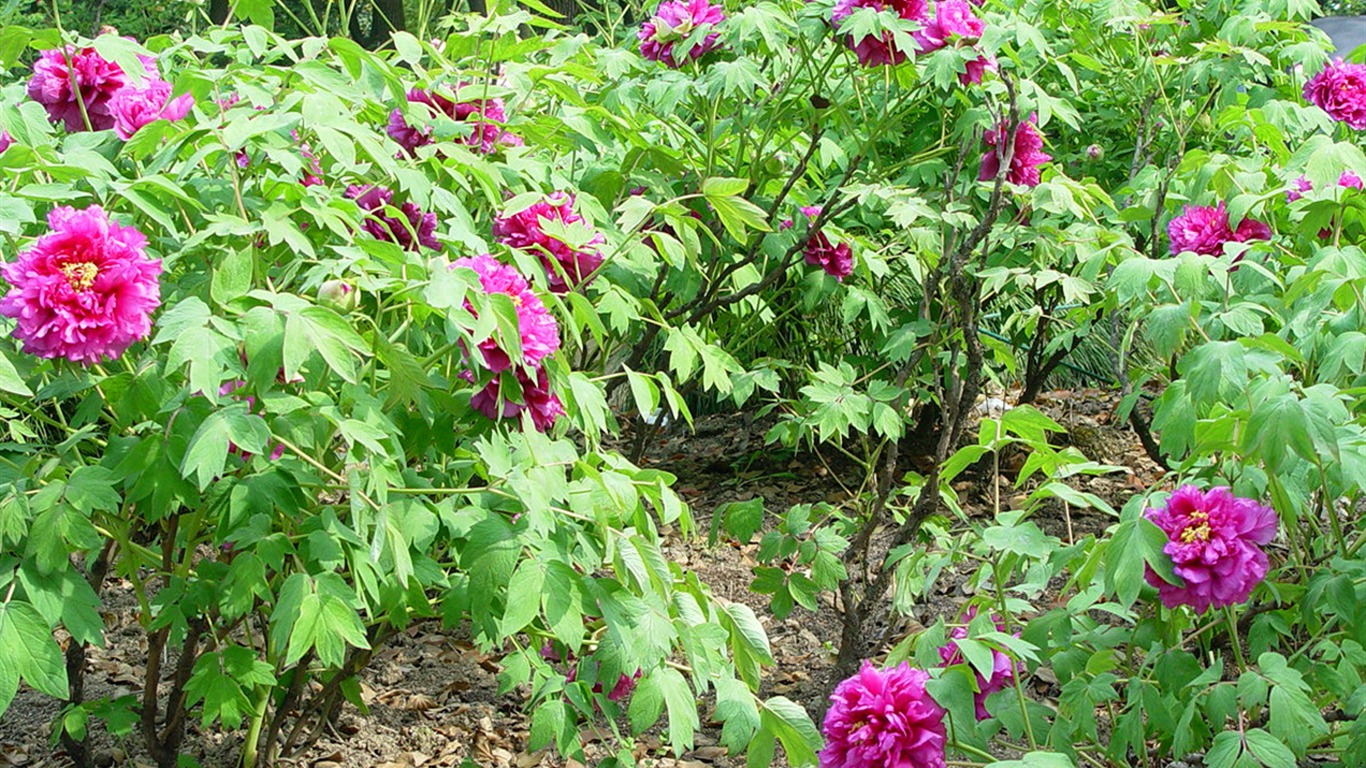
(134, 106)
(565, 265)
(674, 22)
(414, 230)
(1025, 159)
(977, 69)
(1340, 90)
(64, 79)
(1350, 180)
(1002, 668)
(884, 719)
(1213, 541)
(486, 115)
(836, 260)
(5, 140)
(545, 406)
(1204, 230)
(540, 334)
(953, 20)
(85, 291)
(873, 51)
(1298, 188)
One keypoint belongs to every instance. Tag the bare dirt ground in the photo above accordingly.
(432, 697)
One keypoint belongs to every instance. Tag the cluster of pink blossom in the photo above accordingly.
(539, 338)
(413, 230)
(674, 24)
(566, 264)
(953, 24)
(85, 291)
(1026, 155)
(1214, 542)
(1347, 180)
(837, 259)
(1340, 90)
(80, 88)
(1002, 666)
(485, 116)
(1204, 230)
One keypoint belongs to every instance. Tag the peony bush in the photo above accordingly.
(310, 343)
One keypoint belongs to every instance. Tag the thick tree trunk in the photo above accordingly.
(374, 22)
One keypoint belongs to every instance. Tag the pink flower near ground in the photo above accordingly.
(536, 396)
(485, 115)
(134, 106)
(836, 259)
(884, 719)
(674, 23)
(540, 334)
(874, 51)
(65, 79)
(1214, 542)
(1025, 159)
(1340, 90)
(565, 265)
(1204, 230)
(1002, 667)
(414, 230)
(85, 291)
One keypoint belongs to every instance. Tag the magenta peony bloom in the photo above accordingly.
(134, 106)
(539, 331)
(486, 115)
(566, 266)
(884, 719)
(1204, 230)
(1002, 667)
(977, 69)
(1025, 159)
(875, 51)
(5, 140)
(1214, 542)
(1340, 90)
(414, 230)
(836, 260)
(65, 79)
(953, 21)
(1350, 180)
(545, 407)
(85, 291)
(1297, 189)
(674, 22)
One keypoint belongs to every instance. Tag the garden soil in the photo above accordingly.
(433, 698)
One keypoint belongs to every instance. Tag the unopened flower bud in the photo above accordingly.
(339, 294)
(1095, 152)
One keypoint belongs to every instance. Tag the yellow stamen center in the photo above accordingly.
(1198, 532)
(80, 274)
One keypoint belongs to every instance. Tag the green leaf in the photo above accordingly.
(28, 651)
(1268, 751)
(682, 706)
(10, 380)
(741, 519)
(793, 727)
(524, 597)
(232, 277)
(320, 329)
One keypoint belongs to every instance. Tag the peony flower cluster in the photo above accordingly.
(1214, 542)
(566, 265)
(836, 259)
(953, 24)
(1340, 90)
(1025, 157)
(1204, 230)
(415, 229)
(540, 338)
(85, 291)
(620, 690)
(884, 718)
(1002, 668)
(78, 84)
(486, 117)
(676, 22)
